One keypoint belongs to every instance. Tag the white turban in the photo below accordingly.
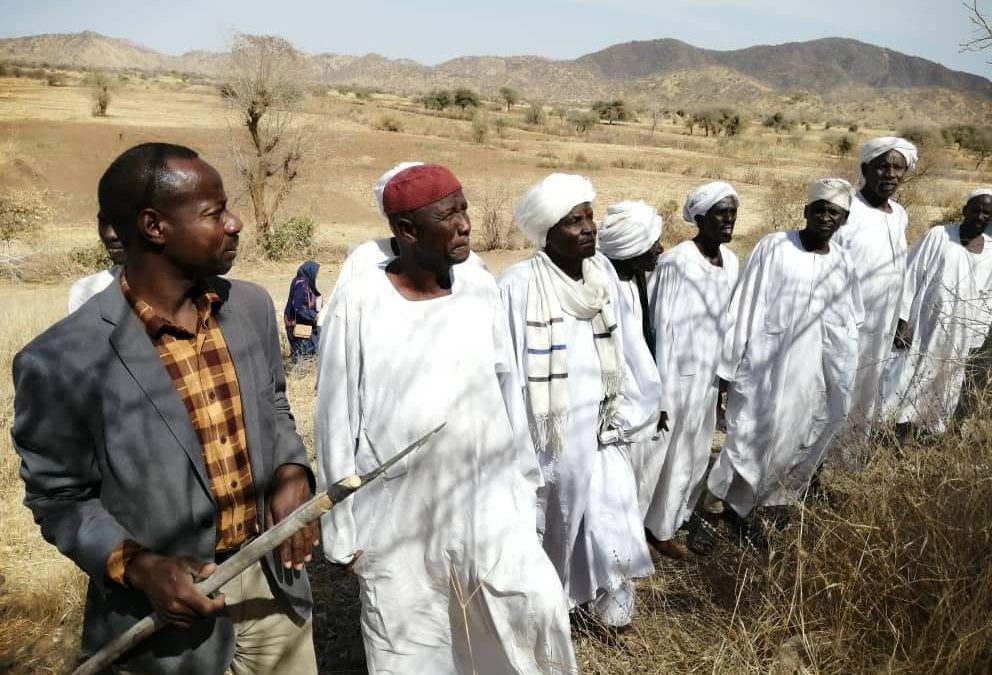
(380, 185)
(549, 201)
(834, 190)
(702, 199)
(877, 147)
(628, 230)
(980, 192)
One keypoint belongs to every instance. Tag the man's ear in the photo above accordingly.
(806, 212)
(699, 220)
(403, 228)
(151, 226)
(847, 214)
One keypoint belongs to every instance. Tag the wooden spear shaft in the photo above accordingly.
(254, 551)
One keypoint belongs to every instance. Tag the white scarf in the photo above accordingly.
(550, 295)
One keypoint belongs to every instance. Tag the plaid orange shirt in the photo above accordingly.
(202, 371)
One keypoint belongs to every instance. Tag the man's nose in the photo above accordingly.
(233, 224)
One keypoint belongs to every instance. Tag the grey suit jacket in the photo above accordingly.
(108, 452)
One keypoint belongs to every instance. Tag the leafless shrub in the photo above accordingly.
(495, 230)
(784, 204)
(265, 87)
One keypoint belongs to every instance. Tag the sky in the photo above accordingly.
(432, 31)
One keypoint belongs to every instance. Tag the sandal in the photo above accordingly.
(702, 535)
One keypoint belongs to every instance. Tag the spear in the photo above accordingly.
(254, 551)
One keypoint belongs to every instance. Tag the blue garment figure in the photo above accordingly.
(301, 310)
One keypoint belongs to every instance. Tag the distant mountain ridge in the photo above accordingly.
(828, 66)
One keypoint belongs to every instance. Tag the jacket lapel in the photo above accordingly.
(139, 356)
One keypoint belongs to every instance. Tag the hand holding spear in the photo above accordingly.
(252, 552)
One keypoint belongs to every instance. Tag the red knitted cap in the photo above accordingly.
(418, 186)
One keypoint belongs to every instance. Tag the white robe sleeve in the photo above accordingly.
(637, 406)
(513, 398)
(336, 422)
(918, 271)
(745, 311)
(666, 283)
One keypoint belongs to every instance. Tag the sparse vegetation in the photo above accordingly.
(389, 123)
(510, 96)
(480, 129)
(21, 215)
(465, 98)
(534, 115)
(100, 93)
(612, 111)
(779, 122)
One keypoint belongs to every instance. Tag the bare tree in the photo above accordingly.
(266, 85)
(982, 30)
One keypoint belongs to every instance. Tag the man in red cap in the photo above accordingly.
(453, 577)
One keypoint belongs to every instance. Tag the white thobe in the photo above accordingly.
(644, 373)
(876, 243)
(689, 309)
(85, 288)
(591, 525)
(372, 254)
(947, 299)
(453, 577)
(791, 365)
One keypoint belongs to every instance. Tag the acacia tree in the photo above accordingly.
(509, 95)
(265, 87)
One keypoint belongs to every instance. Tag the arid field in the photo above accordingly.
(889, 574)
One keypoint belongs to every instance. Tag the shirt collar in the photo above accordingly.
(207, 302)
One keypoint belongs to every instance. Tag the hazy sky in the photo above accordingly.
(431, 31)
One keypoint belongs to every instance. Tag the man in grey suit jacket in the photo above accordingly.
(156, 437)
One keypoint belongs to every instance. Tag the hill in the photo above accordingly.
(835, 73)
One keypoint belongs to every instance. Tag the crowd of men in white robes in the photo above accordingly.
(579, 392)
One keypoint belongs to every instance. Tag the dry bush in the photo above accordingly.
(494, 229)
(623, 163)
(21, 215)
(480, 129)
(389, 123)
(100, 93)
(751, 176)
(783, 204)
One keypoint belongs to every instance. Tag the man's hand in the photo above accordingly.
(663, 421)
(292, 488)
(167, 582)
(904, 336)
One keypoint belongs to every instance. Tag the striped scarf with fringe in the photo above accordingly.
(550, 296)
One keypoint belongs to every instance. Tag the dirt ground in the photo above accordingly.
(50, 143)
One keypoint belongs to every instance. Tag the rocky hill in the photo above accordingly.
(659, 70)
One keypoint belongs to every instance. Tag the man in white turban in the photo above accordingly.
(376, 252)
(944, 316)
(629, 236)
(582, 404)
(691, 291)
(791, 358)
(875, 241)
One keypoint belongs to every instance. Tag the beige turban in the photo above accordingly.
(628, 230)
(549, 201)
(877, 147)
(834, 190)
(702, 199)
(380, 185)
